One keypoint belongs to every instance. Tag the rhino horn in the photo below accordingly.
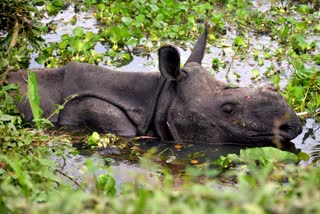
(200, 47)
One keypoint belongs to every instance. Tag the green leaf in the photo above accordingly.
(101, 7)
(65, 37)
(6, 41)
(77, 45)
(299, 44)
(38, 2)
(78, 32)
(267, 153)
(304, 9)
(303, 156)
(89, 36)
(41, 59)
(255, 72)
(52, 9)
(34, 98)
(239, 41)
(154, 7)
(93, 139)
(141, 18)
(58, 3)
(63, 44)
(275, 79)
(232, 85)
(107, 184)
(316, 59)
(126, 20)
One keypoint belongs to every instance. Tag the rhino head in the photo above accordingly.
(207, 110)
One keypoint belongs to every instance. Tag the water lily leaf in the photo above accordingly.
(78, 32)
(41, 59)
(101, 6)
(63, 44)
(52, 9)
(107, 184)
(268, 153)
(88, 37)
(255, 72)
(304, 9)
(316, 59)
(303, 156)
(126, 20)
(239, 41)
(154, 7)
(275, 79)
(141, 18)
(93, 139)
(78, 45)
(65, 37)
(58, 3)
(232, 85)
(38, 2)
(299, 44)
(86, 46)
(127, 56)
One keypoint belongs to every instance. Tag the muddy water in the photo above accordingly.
(171, 155)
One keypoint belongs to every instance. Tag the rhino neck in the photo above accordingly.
(159, 126)
(134, 93)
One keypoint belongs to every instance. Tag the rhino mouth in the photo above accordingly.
(281, 137)
(271, 137)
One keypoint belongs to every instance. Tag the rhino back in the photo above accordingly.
(135, 93)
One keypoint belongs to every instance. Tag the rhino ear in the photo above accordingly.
(169, 63)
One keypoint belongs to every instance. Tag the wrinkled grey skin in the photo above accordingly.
(185, 104)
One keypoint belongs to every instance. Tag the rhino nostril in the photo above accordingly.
(285, 128)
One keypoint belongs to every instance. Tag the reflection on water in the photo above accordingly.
(123, 160)
(203, 152)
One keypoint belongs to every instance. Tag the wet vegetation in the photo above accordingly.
(278, 39)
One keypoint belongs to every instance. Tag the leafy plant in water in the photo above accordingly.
(140, 24)
(300, 45)
(263, 155)
(303, 89)
(102, 141)
(106, 185)
(216, 64)
(77, 47)
(55, 6)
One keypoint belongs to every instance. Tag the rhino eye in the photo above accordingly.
(228, 109)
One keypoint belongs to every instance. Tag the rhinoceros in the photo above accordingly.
(181, 104)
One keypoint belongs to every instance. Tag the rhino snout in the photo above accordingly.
(293, 126)
(269, 110)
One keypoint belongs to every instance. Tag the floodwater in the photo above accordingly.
(171, 155)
